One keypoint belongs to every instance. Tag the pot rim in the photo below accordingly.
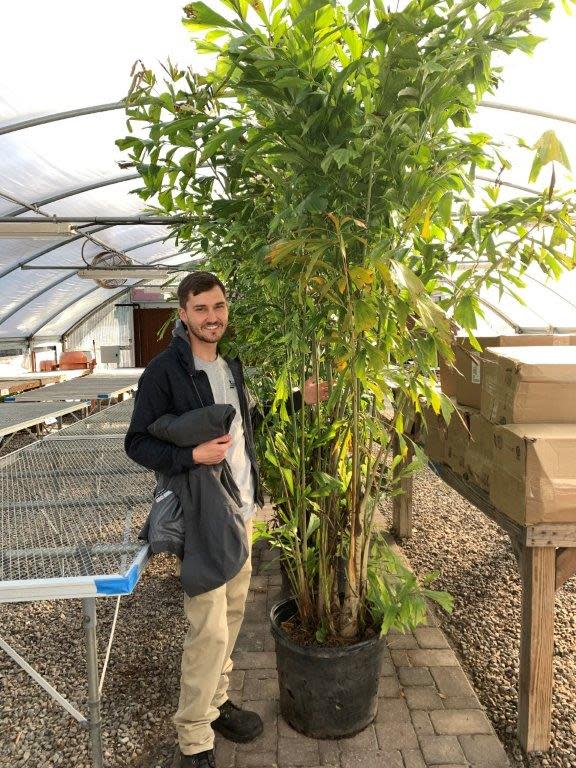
(320, 651)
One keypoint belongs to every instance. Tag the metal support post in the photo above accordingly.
(94, 722)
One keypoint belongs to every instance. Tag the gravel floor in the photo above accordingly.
(141, 687)
(479, 569)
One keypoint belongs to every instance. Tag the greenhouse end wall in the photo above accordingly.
(110, 326)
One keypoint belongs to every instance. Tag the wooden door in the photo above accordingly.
(147, 323)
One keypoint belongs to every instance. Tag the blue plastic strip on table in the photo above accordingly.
(121, 585)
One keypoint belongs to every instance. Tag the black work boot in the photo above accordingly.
(237, 724)
(201, 760)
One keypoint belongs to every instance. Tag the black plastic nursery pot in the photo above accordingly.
(326, 693)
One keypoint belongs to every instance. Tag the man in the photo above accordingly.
(191, 374)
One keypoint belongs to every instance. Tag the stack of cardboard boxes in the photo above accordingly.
(514, 431)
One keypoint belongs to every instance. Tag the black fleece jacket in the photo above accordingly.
(172, 384)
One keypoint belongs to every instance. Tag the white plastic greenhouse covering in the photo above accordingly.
(60, 57)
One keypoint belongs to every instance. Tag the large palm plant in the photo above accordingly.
(327, 167)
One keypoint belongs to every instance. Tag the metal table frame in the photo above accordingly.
(87, 589)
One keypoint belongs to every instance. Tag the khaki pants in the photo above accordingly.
(214, 622)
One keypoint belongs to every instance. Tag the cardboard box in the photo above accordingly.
(523, 385)
(482, 433)
(458, 439)
(533, 476)
(469, 364)
(479, 454)
(448, 378)
(464, 380)
(478, 468)
(433, 436)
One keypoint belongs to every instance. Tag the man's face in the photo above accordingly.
(206, 315)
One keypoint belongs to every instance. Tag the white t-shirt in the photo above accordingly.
(224, 390)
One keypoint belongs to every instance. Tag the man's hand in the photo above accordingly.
(212, 452)
(315, 394)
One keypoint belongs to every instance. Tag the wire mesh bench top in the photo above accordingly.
(17, 416)
(70, 513)
(113, 420)
(92, 387)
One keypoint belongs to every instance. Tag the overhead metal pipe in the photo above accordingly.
(77, 267)
(48, 320)
(526, 111)
(116, 105)
(49, 249)
(60, 280)
(501, 183)
(111, 300)
(24, 264)
(490, 306)
(111, 106)
(52, 248)
(70, 193)
(108, 220)
(43, 340)
(32, 122)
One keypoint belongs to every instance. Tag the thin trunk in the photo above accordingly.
(349, 618)
(305, 599)
(321, 602)
(303, 522)
(351, 605)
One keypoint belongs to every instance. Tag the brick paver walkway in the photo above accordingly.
(428, 713)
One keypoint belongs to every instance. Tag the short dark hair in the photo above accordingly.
(195, 283)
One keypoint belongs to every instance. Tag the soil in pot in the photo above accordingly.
(326, 692)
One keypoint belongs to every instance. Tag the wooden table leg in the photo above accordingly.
(538, 570)
(402, 508)
(402, 503)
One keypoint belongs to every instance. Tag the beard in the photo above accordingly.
(210, 336)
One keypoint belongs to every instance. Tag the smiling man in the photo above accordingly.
(191, 374)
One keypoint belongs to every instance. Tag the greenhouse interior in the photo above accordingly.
(288, 384)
